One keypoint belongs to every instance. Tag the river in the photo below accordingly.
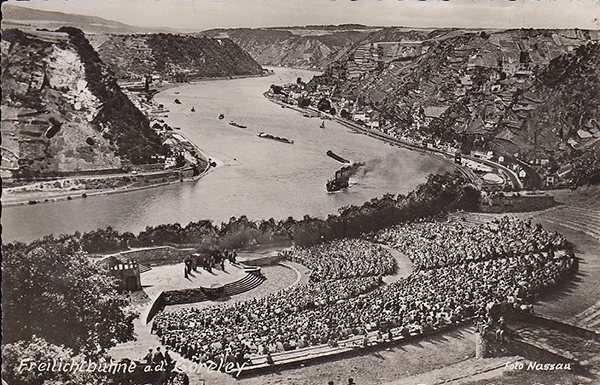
(256, 177)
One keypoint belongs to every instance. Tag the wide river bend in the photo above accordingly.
(256, 177)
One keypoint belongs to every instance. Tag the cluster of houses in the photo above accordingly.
(491, 70)
(372, 119)
(181, 150)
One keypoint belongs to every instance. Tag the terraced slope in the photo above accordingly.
(586, 221)
(534, 93)
(62, 110)
(174, 57)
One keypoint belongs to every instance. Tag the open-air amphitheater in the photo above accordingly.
(296, 315)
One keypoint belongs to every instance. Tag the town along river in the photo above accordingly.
(257, 177)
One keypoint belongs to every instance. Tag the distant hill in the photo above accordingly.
(62, 110)
(300, 47)
(14, 16)
(174, 57)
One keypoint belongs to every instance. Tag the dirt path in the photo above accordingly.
(404, 266)
(467, 370)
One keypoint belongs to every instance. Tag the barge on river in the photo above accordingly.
(237, 124)
(335, 156)
(273, 137)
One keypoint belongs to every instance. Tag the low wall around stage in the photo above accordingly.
(200, 294)
(158, 304)
(265, 261)
(178, 297)
(517, 204)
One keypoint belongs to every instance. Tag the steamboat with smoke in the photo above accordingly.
(342, 177)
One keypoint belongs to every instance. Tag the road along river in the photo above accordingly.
(257, 177)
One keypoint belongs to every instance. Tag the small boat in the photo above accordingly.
(221, 116)
(273, 137)
(193, 109)
(237, 124)
(322, 125)
(176, 101)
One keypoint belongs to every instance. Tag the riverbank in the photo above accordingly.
(52, 190)
(165, 86)
(63, 189)
(75, 187)
(386, 138)
(508, 176)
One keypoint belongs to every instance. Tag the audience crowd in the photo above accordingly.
(261, 325)
(435, 244)
(461, 271)
(344, 258)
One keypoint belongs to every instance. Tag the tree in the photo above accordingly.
(101, 240)
(303, 102)
(38, 350)
(51, 289)
(324, 105)
(276, 89)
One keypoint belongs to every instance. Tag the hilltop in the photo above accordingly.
(174, 57)
(14, 16)
(298, 47)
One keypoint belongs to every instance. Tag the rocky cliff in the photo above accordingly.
(300, 47)
(174, 57)
(528, 92)
(62, 110)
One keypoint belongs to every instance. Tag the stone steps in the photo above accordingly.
(560, 343)
(249, 282)
(589, 230)
(589, 318)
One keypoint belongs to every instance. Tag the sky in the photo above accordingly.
(206, 14)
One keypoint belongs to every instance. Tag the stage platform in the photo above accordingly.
(171, 277)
